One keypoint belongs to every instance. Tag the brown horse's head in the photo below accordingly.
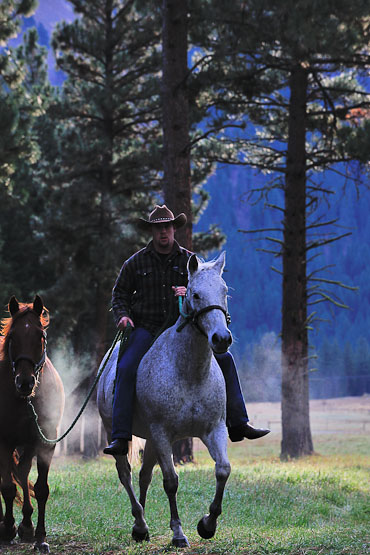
(25, 343)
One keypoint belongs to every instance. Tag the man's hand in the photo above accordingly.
(179, 291)
(122, 324)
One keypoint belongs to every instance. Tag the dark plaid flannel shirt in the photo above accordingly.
(143, 289)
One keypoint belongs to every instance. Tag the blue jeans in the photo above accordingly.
(236, 412)
(124, 394)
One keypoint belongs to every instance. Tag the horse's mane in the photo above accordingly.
(7, 322)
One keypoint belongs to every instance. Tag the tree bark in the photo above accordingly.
(296, 432)
(176, 152)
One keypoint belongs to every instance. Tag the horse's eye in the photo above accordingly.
(196, 296)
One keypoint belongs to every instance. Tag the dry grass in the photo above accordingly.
(318, 504)
(341, 417)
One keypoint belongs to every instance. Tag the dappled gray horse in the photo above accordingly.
(180, 392)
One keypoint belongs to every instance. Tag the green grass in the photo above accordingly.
(316, 505)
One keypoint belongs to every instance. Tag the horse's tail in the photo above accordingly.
(17, 481)
(136, 448)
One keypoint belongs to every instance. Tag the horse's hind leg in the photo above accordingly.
(25, 529)
(41, 488)
(140, 530)
(170, 484)
(8, 529)
(146, 471)
(216, 443)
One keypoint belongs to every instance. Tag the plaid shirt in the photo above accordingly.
(143, 289)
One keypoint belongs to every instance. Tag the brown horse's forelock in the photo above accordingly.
(7, 323)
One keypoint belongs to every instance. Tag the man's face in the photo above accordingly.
(163, 237)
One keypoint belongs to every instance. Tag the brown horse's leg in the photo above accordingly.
(146, 471)
(8, 529)
(216, 443)
(140, 529)
(44, 456)
(25, 528)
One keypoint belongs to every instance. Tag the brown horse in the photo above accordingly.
(26, 373)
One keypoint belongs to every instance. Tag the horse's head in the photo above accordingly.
(206, 297)
(26, 344)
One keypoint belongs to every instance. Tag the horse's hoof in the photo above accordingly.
(180, 542)
(42, 547)
(203, 532)
(140, 536)
(7, 534)
(26, 533)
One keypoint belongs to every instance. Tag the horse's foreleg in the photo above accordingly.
(25, 529)
(216, 443)
(41, 488)
(170, 484)
(8, 529)
(140, 529)
(146, 471)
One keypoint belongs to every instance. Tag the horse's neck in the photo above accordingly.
(194, 347)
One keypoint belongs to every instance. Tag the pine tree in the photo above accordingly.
(104, 163)
(286, 76)
(15, 140)
(21, 250)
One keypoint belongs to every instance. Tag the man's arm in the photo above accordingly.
(121, 296)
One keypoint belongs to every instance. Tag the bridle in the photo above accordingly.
(192, 316)
(37, 366)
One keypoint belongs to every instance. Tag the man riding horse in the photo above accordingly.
(145, 297)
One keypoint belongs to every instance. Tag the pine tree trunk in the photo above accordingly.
(176, 153)
(296, 432)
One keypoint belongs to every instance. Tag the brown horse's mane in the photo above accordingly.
(7, 322)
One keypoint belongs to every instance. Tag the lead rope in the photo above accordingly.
(120, 336)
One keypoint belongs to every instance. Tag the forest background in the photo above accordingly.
(48, 244)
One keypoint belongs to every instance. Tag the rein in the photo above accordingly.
(120, 336)
(193, 315)
(189, 318)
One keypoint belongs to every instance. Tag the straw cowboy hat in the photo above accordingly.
(160, 215)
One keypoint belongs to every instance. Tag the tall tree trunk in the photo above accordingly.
(296, 432)
(176, 152)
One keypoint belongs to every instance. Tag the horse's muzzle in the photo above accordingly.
(25, 386)
(220, 344)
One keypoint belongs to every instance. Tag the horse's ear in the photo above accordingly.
(220, 262)
(13, 305)
(193, 263)
(38, 305)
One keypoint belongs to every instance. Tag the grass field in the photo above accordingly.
(316, 505)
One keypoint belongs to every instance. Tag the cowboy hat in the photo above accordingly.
(160, 215)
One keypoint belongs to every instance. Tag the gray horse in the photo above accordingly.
(180, 392)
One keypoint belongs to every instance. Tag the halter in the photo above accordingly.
(192, 317)
(36, 365)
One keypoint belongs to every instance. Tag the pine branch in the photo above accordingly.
(321, 224)
(275, 240)
(334, 282)
(326, 297)
(317, 244)
(263, 230)
(276, 270)
(274, 206)
(275, 253)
